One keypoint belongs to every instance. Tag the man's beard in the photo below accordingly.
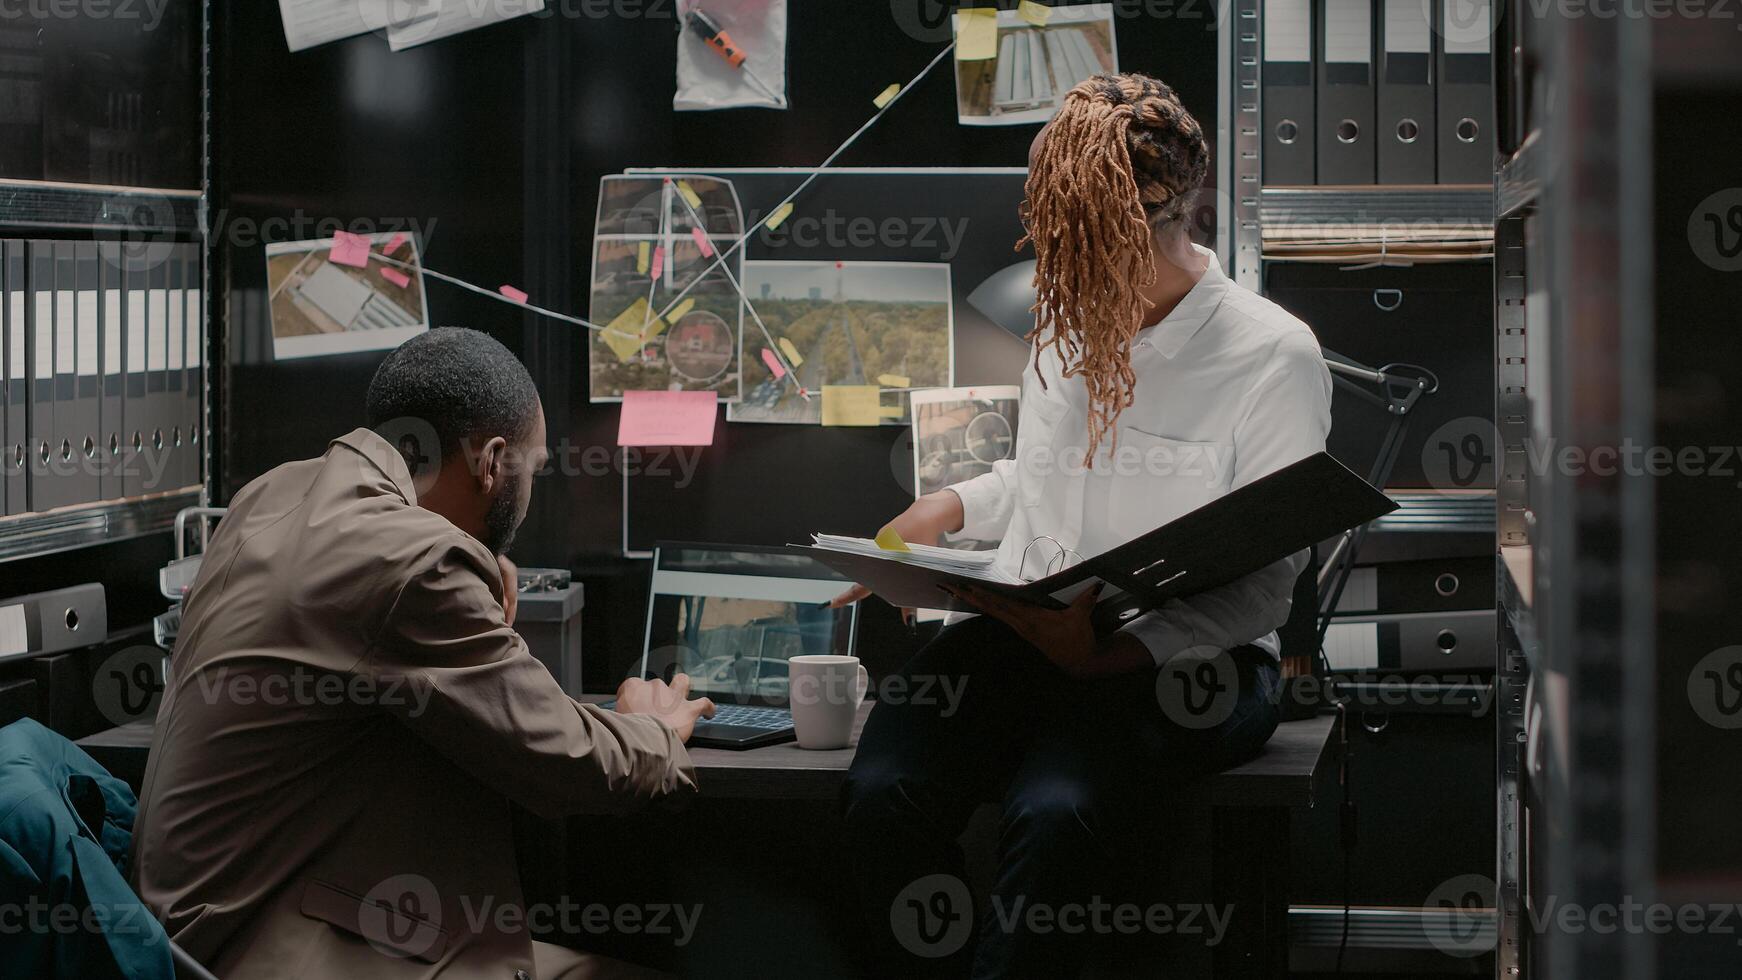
(502, 519)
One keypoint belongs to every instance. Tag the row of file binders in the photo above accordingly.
(1378, 92)
(102, 365)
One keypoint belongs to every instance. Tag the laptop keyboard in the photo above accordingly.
(749, 716)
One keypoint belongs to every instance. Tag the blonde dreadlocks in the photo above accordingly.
(1115, 169)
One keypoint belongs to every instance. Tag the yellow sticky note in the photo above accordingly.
(678, 311)
(630, 330)
(976, 34)
(689, 194)
(894, 381)
(643, 253)
(1035, 13)
(887, 94)
(851, 405)
(888, 540)
(780, 214)
(893, 411)
(791, 352)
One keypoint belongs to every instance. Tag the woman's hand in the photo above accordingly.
(1064, 635)
(925, 521)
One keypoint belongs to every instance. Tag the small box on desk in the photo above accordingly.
(549, 620)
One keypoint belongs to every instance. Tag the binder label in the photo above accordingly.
(65, 338)
(156, 344)
(135, 331)
(1466, 27)
(44, 336)
(87, 317)
(178, 311)
(1288, 31)
(111, 331)
(195, 345)
(15, 342)
(1348, 32)
(1406, 28)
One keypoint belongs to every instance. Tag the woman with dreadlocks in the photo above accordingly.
(1156, 385)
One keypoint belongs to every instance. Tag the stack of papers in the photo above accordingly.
(972, 564)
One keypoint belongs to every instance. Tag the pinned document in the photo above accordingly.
(667, 418)
(852, 405)
(976, 34)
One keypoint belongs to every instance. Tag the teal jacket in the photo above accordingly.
(65, 828)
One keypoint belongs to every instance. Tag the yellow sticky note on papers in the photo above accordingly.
(851, 405)
(976, 34)
(791, 352)
(887, 94)
(894, 381)
(1035, 13)
(630, 330)
(689, 194)
(892, 411)
(888, 540)
(678, 311)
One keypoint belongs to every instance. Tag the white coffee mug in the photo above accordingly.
(825, 693)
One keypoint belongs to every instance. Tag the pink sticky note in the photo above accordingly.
(396, 277)
(773, 363)
(667, 418)
(349, 249)
(658, 261)
(393, 243)
(702, 242)
(516, 295)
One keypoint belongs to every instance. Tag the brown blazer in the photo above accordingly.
(347, 719)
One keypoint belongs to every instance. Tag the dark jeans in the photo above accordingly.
(1073, 764)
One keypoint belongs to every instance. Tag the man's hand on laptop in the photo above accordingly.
(669, 703)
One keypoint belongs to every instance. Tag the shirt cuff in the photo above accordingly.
(1161, 633)
(984, 514)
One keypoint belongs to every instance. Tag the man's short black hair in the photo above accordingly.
(461, 383)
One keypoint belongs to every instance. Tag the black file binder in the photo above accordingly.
(156, 460)
(1465, 80)
(193, 353)
(15, 431)
(85, 426)
(1405, 117)
(1226, 539)
(112, 371)
(44, 490)
(1288, 92)
(135, 308)
(49, 622)
(174, 376)
(1344, 71)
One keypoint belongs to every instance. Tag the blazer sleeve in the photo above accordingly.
(473, 691)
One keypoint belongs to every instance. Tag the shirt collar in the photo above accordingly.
(1170, 335)
(386, 457)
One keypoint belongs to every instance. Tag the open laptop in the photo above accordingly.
(730, 616)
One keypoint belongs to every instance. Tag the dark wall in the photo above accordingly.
(493, 142)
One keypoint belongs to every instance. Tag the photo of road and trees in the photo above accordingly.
(852, 323)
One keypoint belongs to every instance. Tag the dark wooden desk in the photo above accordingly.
(1250, 807)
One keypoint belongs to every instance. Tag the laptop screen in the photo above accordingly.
(731, 616)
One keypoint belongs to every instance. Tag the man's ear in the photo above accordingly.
(492, 464)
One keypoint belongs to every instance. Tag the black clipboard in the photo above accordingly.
(1224, 540)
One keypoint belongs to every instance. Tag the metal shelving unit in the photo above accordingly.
(129, 214)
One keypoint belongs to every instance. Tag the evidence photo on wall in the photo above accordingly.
(319, 306)
(657, 246)
(887, 324)
(1029, 67)
(958, 433)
